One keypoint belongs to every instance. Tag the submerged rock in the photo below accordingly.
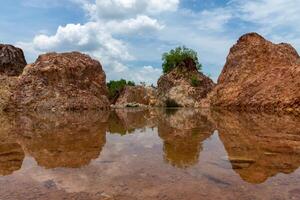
(184, 86)
(66, 81)
(12, 60)
(135, 96)
(259, 75)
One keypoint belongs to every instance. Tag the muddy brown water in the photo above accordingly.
(131, 154)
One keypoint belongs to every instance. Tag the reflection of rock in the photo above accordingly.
(123, 121)
(65, 140)
(11, 158)
(183, 132)
(260, 146)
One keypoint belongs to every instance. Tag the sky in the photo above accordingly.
(129, 37)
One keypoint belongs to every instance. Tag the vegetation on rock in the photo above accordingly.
(195, 81)
(174, 57)
(116, 87)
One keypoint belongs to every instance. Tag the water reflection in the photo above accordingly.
(64, 140)
(126, 121)
(183, 132)
(257, 146)
(260, 146)
(11, 158)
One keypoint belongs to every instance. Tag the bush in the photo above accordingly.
(115, 88)
(195, 81)
(173, 58)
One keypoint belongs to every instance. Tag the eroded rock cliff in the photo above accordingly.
(184, 86)
(66, 81)
(259, 75)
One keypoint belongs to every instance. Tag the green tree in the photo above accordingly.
(115, 87)
(174, 57)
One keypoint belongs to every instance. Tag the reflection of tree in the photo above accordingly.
(259, 145)
(11, 158)
(64, 140)
(183, 132)
(124, 121)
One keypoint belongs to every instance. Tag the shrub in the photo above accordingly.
(173, 58)
(115, 87)
(195, 81)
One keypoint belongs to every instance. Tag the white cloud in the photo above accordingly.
(147, 74)
(120, 9)
(213, 20)
(270, 15)
(89, 38)
(141, 23)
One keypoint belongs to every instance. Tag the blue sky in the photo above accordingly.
(129, 36)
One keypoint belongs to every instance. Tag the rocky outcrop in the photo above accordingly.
(6, 85)
(12, 63)
(12, 60)
(66, 81)
(184, 86)
(259, 75)
(136, 95)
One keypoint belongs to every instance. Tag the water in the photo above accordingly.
(149, 154)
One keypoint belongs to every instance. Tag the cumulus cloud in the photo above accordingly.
(140, 24)
(146, 74)
(116, 9)
(213, 20)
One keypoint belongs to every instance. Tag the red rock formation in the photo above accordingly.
(259, 75)
(67, 81)
(12, 60)
(184, 86)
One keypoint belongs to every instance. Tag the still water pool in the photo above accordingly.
(131, 154)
